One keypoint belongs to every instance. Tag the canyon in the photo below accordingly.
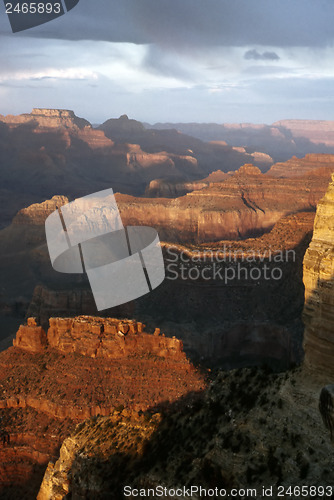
(249, 427)
(49, 152)
(245, 204)
(90, 401)
(235, 310)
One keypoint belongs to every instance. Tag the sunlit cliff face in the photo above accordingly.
(319, 288)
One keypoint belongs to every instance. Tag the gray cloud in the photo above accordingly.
(191, 23)
(257, 56)
(193, 67)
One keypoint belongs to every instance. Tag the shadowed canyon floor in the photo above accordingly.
(249, 429)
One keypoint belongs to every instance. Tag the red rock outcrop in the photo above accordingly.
(319, 289)
(64, 121)
(80, 350)
(86, 366)
(31, 337)
(109, 338)
(261, 159)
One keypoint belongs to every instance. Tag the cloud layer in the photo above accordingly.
(218, 60)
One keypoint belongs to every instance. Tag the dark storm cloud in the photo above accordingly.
(191, 23)
(257, 56)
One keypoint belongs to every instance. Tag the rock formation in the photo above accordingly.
(263, 160)
(173, 188)
(311, 164)
(99, 347)
(83, 367)
(50, 152)
(246, 204)
(96, 337)
(48, 118)
(31, 337)
(201, 312)
(319, 289)
(208, 154)
(36, 214)
(164, 188)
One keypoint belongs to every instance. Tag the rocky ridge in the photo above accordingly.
(49, 118)
(82, 367)
(280, 140)
(311, 164)
(243, 205)
(48, 152)
(36, 214)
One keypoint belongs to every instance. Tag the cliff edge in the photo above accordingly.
(318, 278)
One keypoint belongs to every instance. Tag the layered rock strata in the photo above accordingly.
(82, 367)
(311, 164)
(246, 204)
(319, 289)
(78, 351)
(50, 118)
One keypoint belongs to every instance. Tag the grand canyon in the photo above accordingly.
(215, 377)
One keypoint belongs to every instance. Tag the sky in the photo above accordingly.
(217, 61)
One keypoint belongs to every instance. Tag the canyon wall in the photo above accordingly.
(309, 165)
(316, 131)
(319, 289)
(244, 205)
(50, 118)
(207, 314)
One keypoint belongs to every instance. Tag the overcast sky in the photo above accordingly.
(175, 60)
